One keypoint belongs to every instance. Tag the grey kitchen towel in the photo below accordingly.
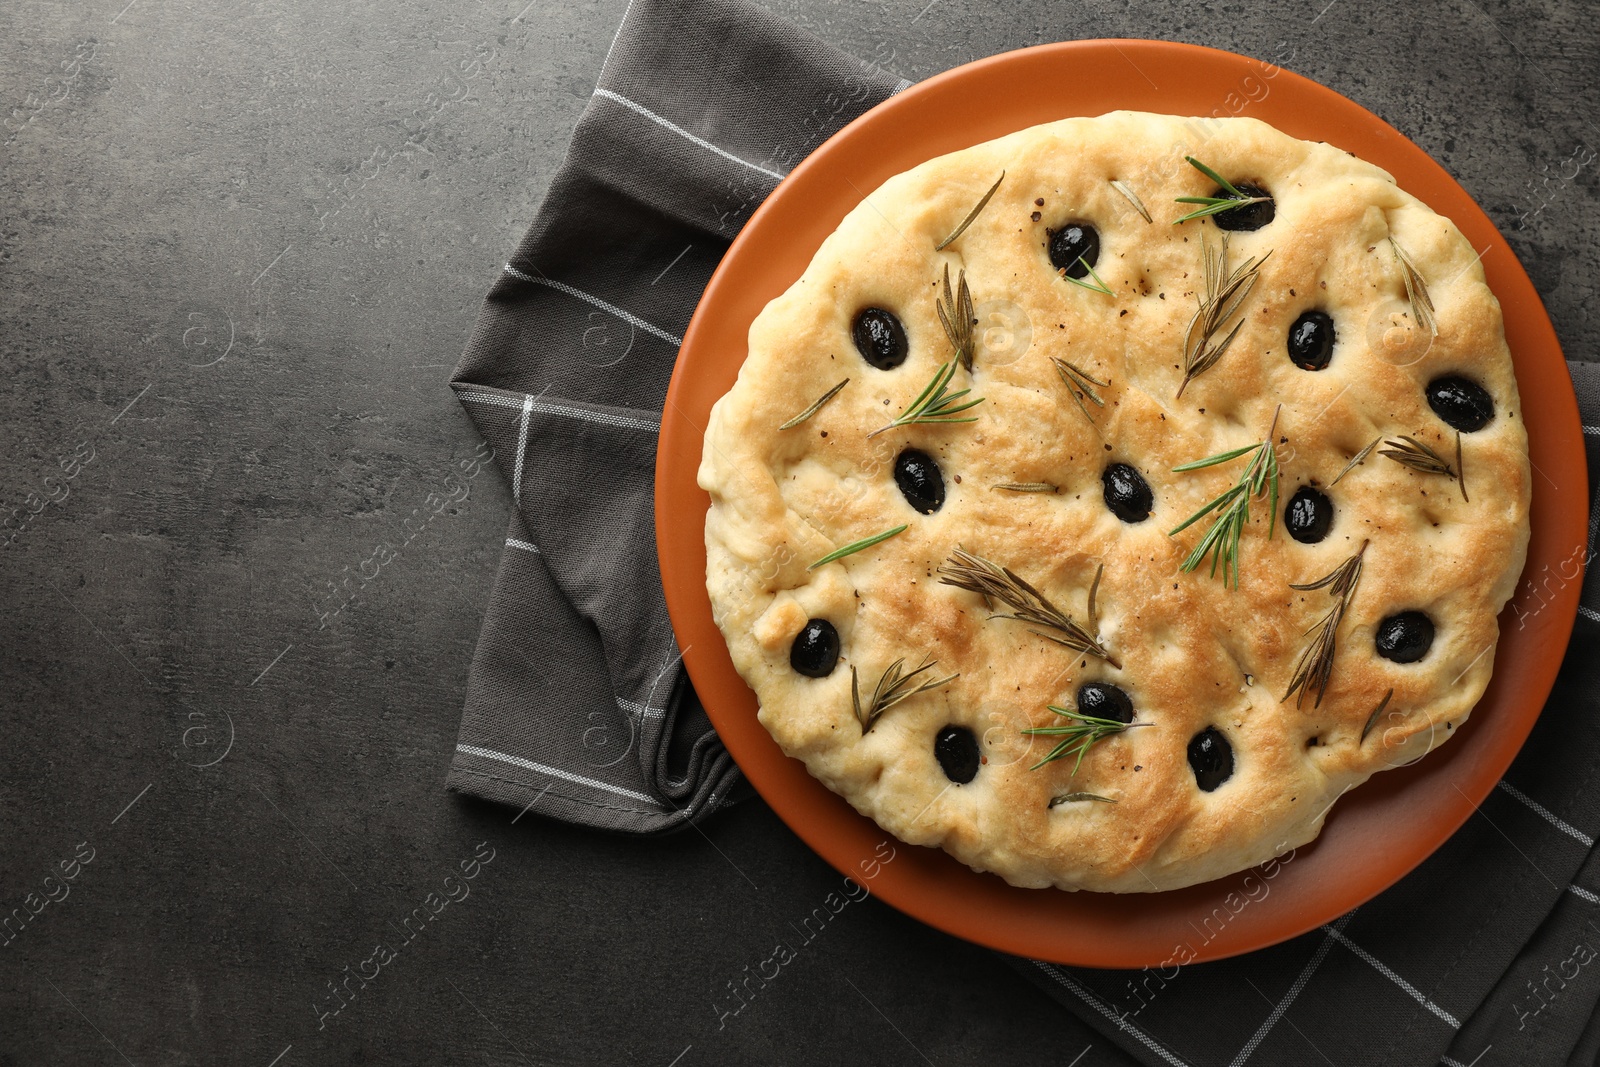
(578, 707)
(577, 702)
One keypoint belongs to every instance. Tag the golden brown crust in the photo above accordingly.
(1193, 652)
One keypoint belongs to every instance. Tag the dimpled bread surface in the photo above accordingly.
(1191, 651)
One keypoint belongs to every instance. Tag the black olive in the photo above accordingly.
(1246, 216)
(1075, 241)
(1461, 402)
(1311, 340)
(880, 338)
(1309, 515)
(917, 475)
(815, 649)
(1405, 638)
(1104, 701)
(1127, 493)
(957, 751)
(1211, 758)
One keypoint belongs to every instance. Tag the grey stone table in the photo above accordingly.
(229, 303)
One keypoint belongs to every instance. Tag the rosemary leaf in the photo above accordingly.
(1133, 198)
(1094, 616)
(1224, 294)
(1078, 736)
(1224, 183)
(994, 582)
(1069, 798)
(1078, 382)
(1416, 290)
(1215, 205)
(1372, 719)
(1356, 461)
(959, 230)
(1221, 457)
(1027, 487)
(1314, 668)
(1222, 539)
(857, 546)
(1409, 452)
(957, 316)
(934, 404)
(814, 408)
(892, 688)
(1098, 286)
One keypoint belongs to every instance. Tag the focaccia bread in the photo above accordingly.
(1208, 690)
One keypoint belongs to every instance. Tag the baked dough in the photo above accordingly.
(1191, 651)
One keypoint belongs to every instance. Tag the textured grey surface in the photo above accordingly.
(240, 248)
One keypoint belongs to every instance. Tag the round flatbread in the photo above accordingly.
(1206, 691)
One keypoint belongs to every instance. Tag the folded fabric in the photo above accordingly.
(577, 703)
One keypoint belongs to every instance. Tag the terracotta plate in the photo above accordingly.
(1366, 845)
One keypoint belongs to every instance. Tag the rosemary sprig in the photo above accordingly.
(857, 546)
(958, 318)
(1373, 718)
(1097, 286)
(814, 408)
(959, 230)
(1079, 382)
(1225, 293)
(1068, 798)
(1416, 290)
(1222, 539)
(1356, 460)
(994, 582)
(1133, 198)
(1078, 736)
(892, 688)
(934, 404)
(1027, 487)
(1409, 452)
(1315, 666)
(1215, 205)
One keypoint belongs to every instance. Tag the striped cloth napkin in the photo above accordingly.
(578, 707)
(577, 700)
